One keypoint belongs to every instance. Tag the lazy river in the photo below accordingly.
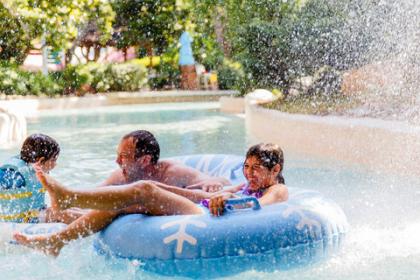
(384, 238)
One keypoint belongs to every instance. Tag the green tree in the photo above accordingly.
(151, 25)
(278, 41)
(61, 21)
(14, 42)
(207, 21)
(258, 32)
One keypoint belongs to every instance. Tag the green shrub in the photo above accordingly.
(96, 76)
(326, 82)
(167, 75)
(38, 84)
(207, 52)
(264, 55)
(14, 43)
(145, 61)
(229, 75)
(12, 82)
(71, 79)
(127, 76)
(19, 82)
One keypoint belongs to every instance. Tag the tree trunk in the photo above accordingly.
(86, 55)
(150, 54)
(124, 50)
(219, 25)
(97, 52)
(67, 57)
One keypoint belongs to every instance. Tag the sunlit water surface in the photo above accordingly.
(383, 243)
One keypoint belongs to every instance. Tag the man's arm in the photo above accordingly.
(191, 178)
(195, 195)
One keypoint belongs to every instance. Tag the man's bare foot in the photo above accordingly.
(59, 195)
(41, 243)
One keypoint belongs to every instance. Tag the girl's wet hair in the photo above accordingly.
(37, 146)
(269, 154)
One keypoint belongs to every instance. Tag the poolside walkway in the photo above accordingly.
(387, 146)
(29, 105)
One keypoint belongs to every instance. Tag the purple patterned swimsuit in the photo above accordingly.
(247, 192)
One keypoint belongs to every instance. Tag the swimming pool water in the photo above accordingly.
(89, 138)
(384, 241)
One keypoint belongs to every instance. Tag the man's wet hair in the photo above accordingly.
(37, 146)
(269, 155)
(146, 144)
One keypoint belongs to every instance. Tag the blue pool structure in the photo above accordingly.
(383, 241)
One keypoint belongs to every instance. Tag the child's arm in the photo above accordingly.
(274, 194)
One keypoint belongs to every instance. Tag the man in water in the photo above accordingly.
(138, 157)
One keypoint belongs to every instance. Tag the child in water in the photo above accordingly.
(262, 169)
(22, 197)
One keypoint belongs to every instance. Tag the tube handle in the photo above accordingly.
(243, 201)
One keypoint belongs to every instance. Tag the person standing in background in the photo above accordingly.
(187, 63)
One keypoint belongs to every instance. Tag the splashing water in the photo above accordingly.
(387, 73)
(383, 242)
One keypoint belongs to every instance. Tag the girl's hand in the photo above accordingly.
(217, 203)
(210, 186)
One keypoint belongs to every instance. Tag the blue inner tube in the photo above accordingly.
(306, 228)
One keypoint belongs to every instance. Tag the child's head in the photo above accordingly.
(263, 165)
(40, 149)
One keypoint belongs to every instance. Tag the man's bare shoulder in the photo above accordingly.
(168, 162)
(176, 166)
(177, 174)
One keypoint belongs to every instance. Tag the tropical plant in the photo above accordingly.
(60, 22)
(14, 42)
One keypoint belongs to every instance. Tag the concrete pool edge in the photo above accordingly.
(378, 145)
(29, 106)
(373, 143)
